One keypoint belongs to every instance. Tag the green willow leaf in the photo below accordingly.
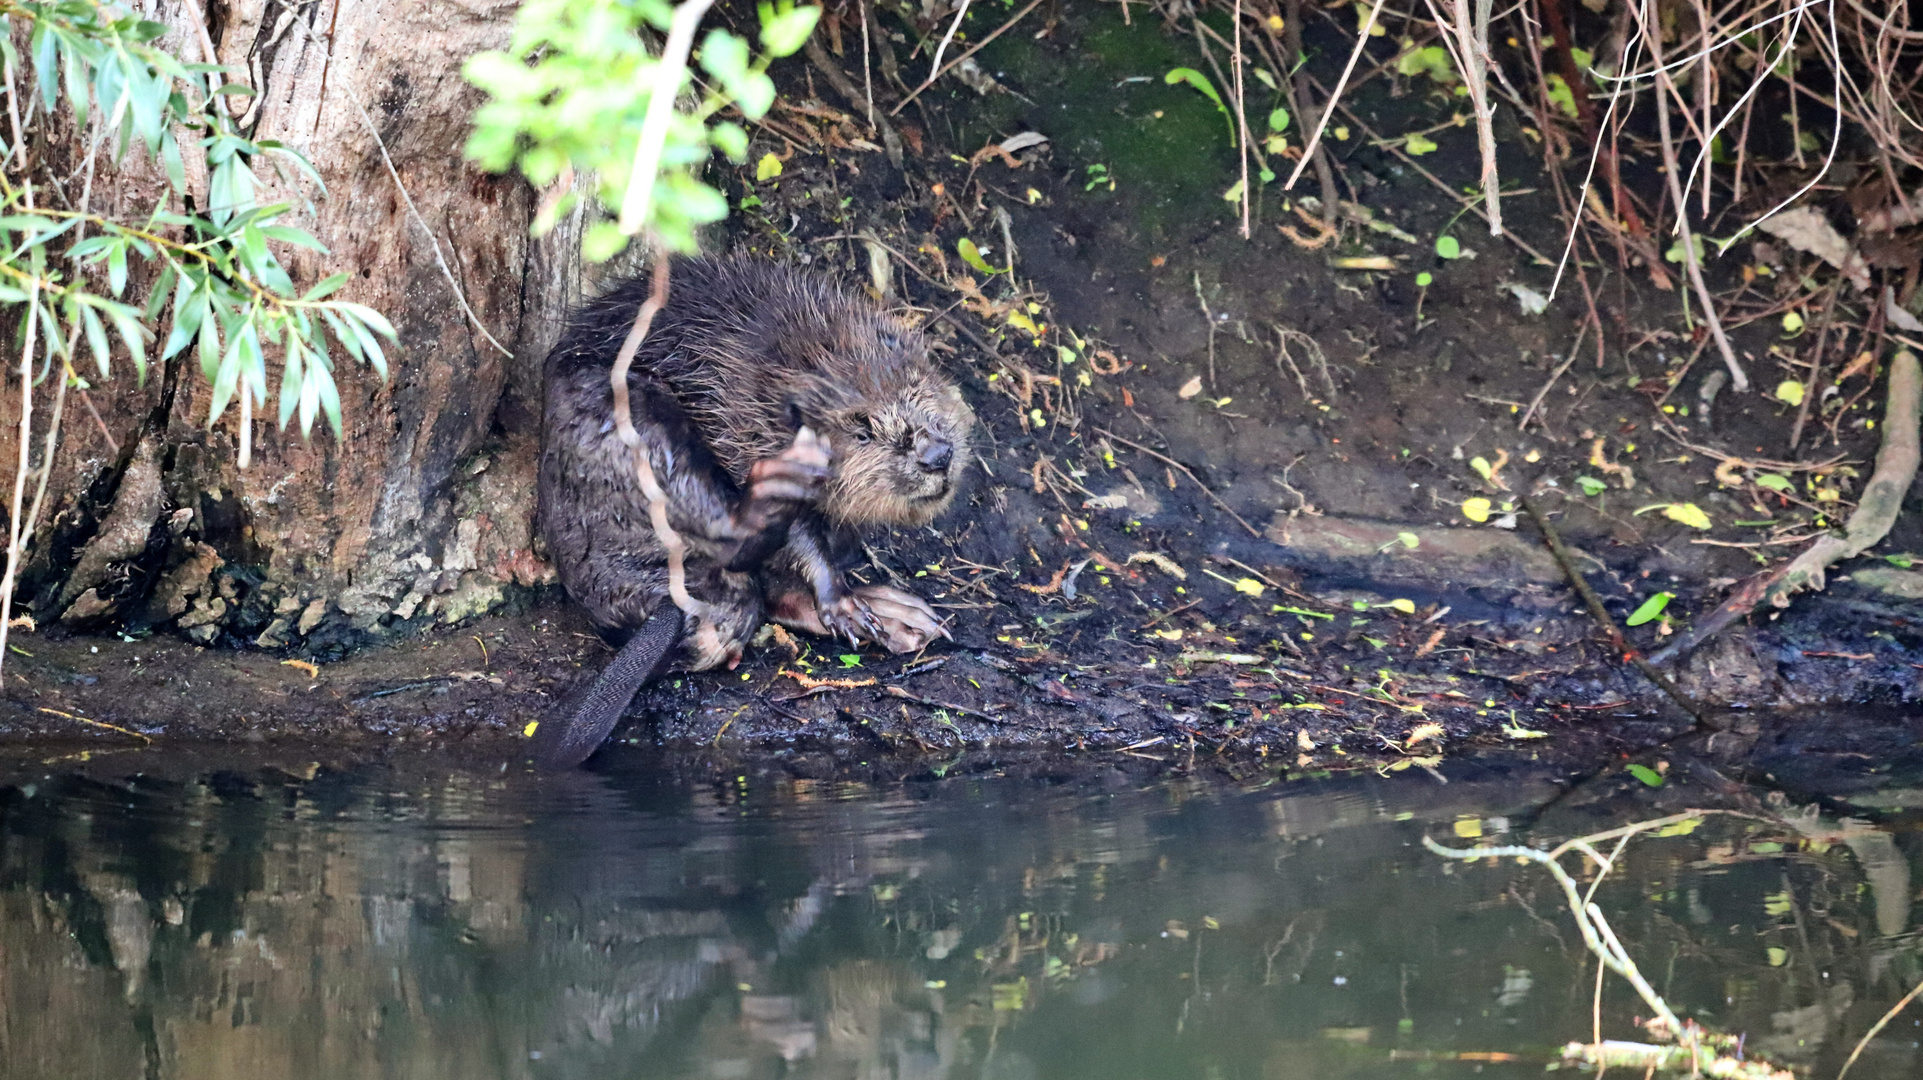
(96, 339)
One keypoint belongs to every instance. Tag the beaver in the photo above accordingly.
(781, 415)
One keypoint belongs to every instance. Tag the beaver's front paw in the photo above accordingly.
(778, 484)
(897, 621)
(906, 621)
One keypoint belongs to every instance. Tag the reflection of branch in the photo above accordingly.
(1876, 1027)
(1589, 917)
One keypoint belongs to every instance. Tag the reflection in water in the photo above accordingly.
(479, 925)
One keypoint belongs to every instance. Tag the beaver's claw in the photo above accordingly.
(897, 621)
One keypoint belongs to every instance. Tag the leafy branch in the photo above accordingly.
(230, 295)
(571, 94)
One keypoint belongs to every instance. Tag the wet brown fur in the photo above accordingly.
(744, 353)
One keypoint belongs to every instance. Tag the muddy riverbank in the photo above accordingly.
(1235, 496)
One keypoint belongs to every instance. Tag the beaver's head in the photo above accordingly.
(899, 427)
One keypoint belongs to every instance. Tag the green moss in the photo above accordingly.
(1165, 147)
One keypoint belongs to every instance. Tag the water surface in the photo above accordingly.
(644, 920)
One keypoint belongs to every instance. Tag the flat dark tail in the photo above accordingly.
(583, 721)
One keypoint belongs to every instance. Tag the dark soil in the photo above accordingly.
(1100, 596)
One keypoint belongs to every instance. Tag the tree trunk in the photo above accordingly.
(423, 510)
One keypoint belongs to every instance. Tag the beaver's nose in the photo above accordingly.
(935, 455)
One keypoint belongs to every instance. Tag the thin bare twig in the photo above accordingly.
(1815, 365)
(1692, 259)
(934, 64)
(1315, 140)
(1174, 464)
(1536, 402)
(998, 32)
(1242, 119)
(14, 537)
(677, 548)
(1470, 48)
(413, 212)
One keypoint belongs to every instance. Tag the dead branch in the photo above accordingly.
(1876, 511)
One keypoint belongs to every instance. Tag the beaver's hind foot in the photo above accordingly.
(898, 621)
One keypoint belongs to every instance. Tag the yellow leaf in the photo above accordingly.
(528, 731)
(1476, 509)
(1688, 513)
(1020, 319)
(767, 168)
(1407, 607)
(1250, 586)
(1469, 828)
(1424, 731)
(1792, 323)
(1680, 828)
(1790, 392)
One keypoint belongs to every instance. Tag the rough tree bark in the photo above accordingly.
(422, 511)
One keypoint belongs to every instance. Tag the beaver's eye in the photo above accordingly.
(864, 429)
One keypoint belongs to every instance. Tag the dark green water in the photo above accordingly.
(428, 922)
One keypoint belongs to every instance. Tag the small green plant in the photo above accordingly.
(1098, 175)
(1448, 247)
(1201, 82)
(1648, 776)
(972, 255)
(1649, 609)
(1277, 142)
